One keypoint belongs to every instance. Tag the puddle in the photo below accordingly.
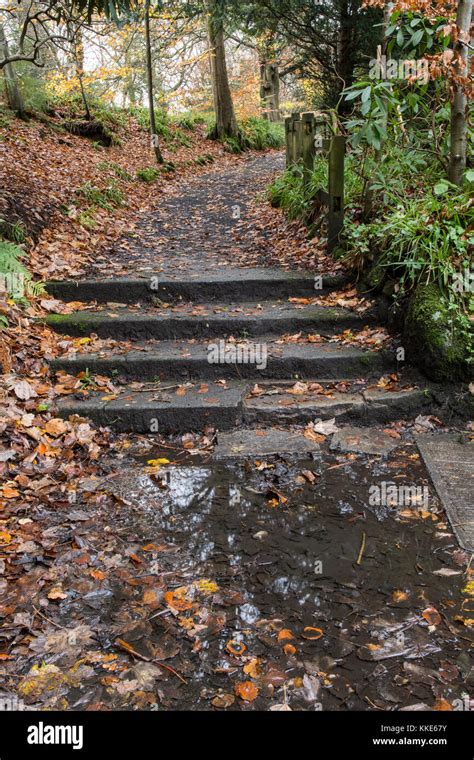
(244, 586)
(321, 593)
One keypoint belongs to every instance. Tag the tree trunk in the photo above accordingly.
(345, 53)
(457, 157)
(270, 90)
(12, 87)
(226, 123)
(78, 47)
(149, 75)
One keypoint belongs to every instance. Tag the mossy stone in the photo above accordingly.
(432, 339)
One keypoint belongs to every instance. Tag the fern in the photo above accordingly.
(14, 277)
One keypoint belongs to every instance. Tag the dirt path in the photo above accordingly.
(199, 227)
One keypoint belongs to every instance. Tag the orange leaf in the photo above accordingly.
(246, 691)
(432, 616)
(399, 596)
(253, 668)
(235, 647)
(176, 601)
(99, 575)
(442, 704)
(312, 634)
(9, 493)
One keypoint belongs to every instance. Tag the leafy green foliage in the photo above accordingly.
(295, 195)
(13, 231)
(254, 134)
(107, 198)
(260, 134)
(14, 274)
(189, 121)
(148, 174)
(113, 167)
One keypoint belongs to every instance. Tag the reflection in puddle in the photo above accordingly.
(286, 553)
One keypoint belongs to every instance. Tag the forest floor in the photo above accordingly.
(143, 572)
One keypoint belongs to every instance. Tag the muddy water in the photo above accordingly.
(289, 555)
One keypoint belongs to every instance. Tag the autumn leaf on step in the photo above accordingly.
(326, 427)
(302, 301)
(311, 435)
(298, 389)
(56, 427)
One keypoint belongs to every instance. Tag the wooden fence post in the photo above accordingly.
(288, 138)
(336, 190)
(296, 138)
(308, 148)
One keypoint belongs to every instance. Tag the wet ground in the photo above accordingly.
(257, 584)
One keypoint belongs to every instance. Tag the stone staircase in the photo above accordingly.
(167, 382)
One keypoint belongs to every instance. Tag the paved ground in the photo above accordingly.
(450, 462)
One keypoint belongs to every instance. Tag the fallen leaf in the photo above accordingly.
(246, 690)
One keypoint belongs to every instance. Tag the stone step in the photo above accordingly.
(224, 285)
(226, 407)
(244, 320)
(363, 407)
(262, 359)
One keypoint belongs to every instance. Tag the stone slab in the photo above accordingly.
(363, 441)
(450, 464)
(251, 443)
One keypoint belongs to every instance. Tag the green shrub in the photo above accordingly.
(296, 196)
(254, 134)
(107, 198)
(111, 166)
(189, 121)
(424, 238)
(13, 231)
(148, 174)
(260, 134)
